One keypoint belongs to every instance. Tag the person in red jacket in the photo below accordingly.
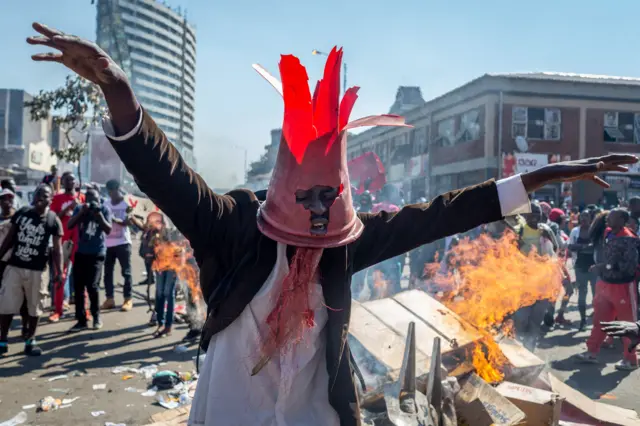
(615, 293)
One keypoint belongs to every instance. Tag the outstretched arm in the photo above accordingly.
(156, 165)
(387, 235)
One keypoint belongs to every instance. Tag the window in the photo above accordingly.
(621, 127)
(445, 132)
(536, 123)
(469, 126)
(420, 140)
(2, 118)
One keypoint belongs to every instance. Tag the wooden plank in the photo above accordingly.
(396, 317)
(437, 316)
(524, 365)
(384, 343)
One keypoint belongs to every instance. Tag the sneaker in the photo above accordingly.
(127, 305)
(80, 326)
(108, 304)
(561, 320)
(4, 348)
(97, 324)
(31, 349)
(54, 317)
(587, 358)
(625, 365)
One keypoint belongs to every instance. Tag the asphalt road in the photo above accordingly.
(87, 359)
(600, 382)
(126, 340)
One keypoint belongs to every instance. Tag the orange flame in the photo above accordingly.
(380, 285)
(176, 256)
(487, 281)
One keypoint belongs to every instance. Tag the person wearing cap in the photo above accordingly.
(118, 247)
(10, 184)
(276, 275)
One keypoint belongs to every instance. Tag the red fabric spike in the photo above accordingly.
(346, 106)
(325, 114)
(297, 127)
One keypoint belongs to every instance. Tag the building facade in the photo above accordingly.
(501, 124)
(25, 151)
(156, 46)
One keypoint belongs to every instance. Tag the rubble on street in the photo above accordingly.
(402, 343)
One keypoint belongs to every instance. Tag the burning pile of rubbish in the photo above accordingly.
(446, 354)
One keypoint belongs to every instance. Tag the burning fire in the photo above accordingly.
(178, 257)
(487, 281)
(380, 285)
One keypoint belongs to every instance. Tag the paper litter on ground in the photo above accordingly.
(19, 419)
(150, 392)
(97, 413)
(101, 386)
(60, 377)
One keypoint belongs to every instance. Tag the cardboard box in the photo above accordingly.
(479, 404)
(542, 408)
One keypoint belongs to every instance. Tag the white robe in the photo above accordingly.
(291, 390)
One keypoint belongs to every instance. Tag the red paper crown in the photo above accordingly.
(308, 118)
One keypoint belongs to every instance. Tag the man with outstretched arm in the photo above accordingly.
(276, 275)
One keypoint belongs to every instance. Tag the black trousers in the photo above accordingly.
(87, 271)
(123, 254)
(148, 264)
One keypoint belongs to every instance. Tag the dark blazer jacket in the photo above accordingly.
(235, 259)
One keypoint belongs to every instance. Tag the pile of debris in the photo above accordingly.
(413, 356)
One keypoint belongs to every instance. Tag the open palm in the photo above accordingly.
(81, 56)
(570, 171)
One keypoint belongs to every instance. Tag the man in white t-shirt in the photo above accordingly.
(118, 247)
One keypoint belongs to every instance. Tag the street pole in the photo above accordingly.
(344, 65)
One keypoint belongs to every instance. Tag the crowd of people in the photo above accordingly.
(601, 246)
(55, 250)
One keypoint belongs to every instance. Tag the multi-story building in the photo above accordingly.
(259, 174)
(501, 124)
(25, 152)
(156, 46)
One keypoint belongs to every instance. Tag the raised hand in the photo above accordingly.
(81, 56)
(87, 60)
(569, 171)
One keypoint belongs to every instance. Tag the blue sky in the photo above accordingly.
(436, 45)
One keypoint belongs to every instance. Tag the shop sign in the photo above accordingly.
(526, 162)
